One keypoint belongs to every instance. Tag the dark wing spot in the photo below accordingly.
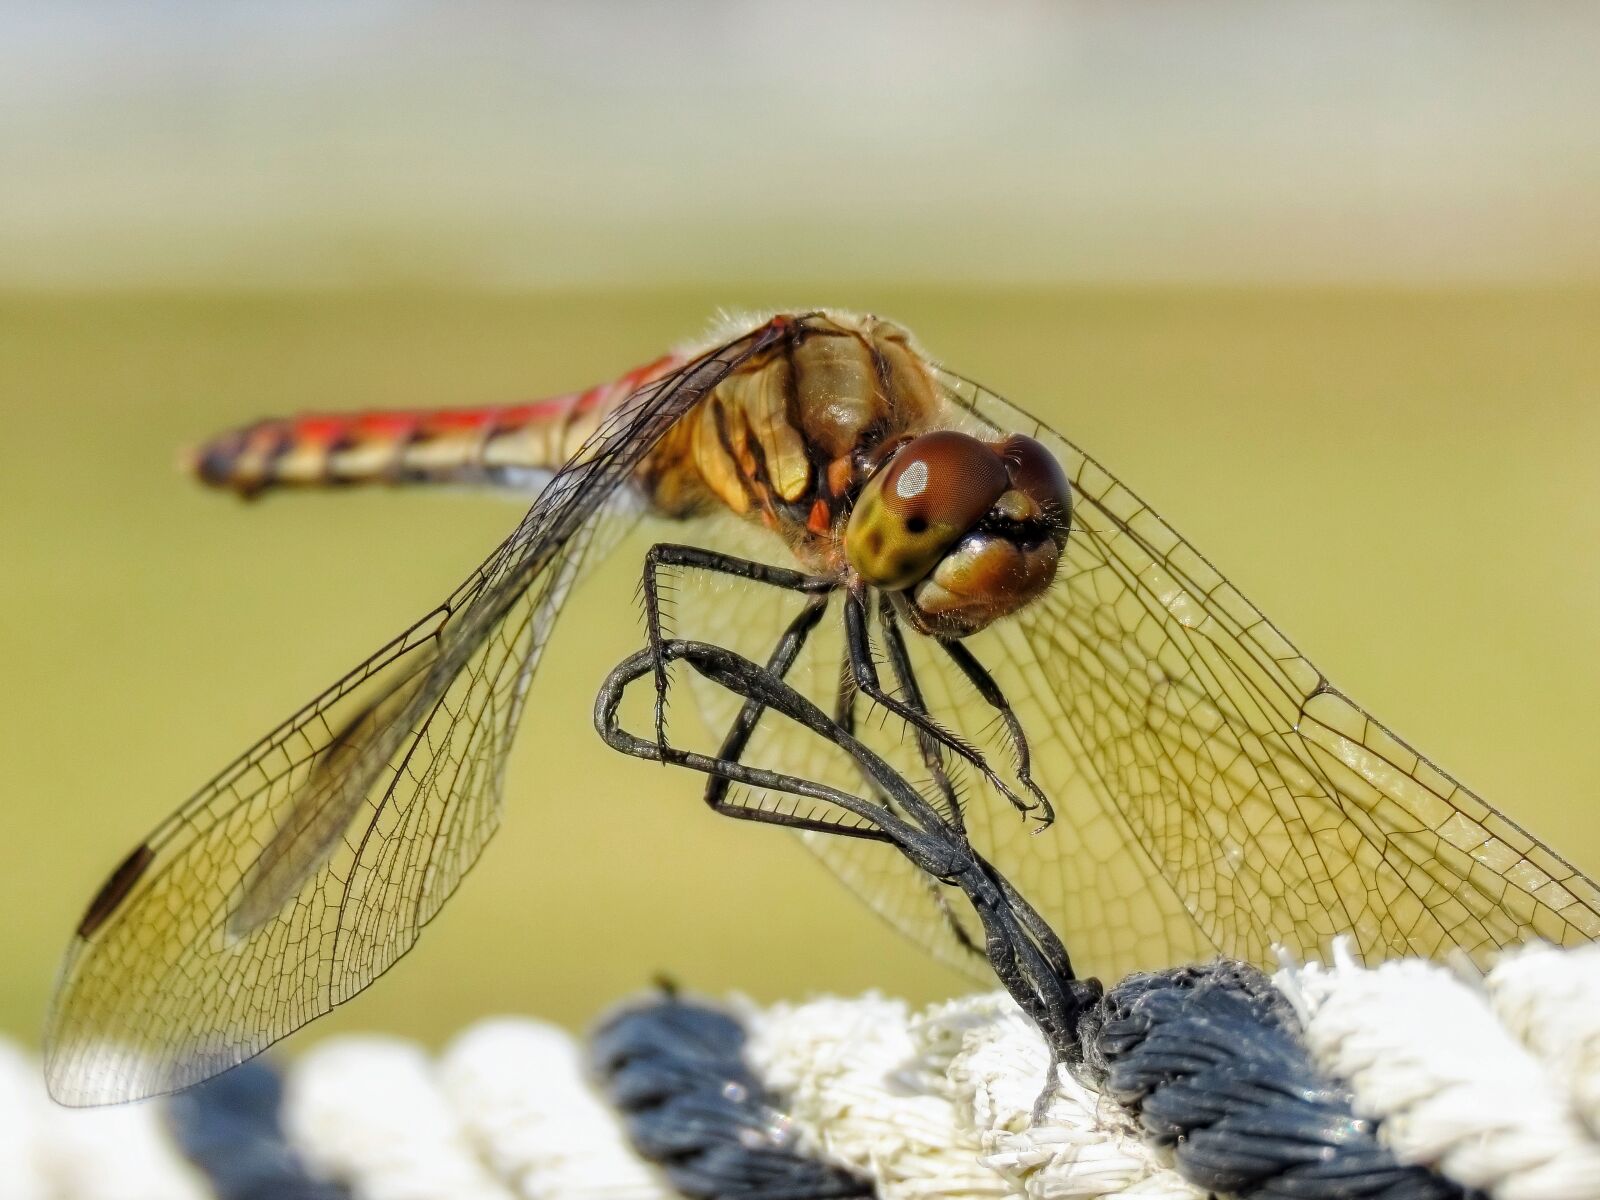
(116, 889)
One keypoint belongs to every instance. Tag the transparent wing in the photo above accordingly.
(307, 868)
(1214, 794)
(1214, 791)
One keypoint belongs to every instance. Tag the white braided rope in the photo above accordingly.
(1550, 1000)
(1424, 1051)
(940, 1104)
(1494, 1082)
(371, 1110)
(522, 1091)
(53, 1153)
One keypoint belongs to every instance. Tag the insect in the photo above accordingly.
(1121, 733)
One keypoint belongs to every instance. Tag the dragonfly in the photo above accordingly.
(1116, 728)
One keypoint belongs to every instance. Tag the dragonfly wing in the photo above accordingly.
(1213, 789)
(307, 868)
(1213, 793)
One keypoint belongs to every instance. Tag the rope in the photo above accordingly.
(1550, 1001)
(53, 1153)
(526, 1100)
(229, 1128)
(1406, 1080)
(373, 1112)
(676, 1074)
(1212, 1061)
(940, 1104)
(1425, 1053)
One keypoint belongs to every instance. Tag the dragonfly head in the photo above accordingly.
(960, 531)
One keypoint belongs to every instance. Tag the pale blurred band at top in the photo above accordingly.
(548, 145)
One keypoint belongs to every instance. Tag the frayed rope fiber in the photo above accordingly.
(1405, 1082)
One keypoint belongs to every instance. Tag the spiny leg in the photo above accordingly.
(978, 675)
(737, 739)
(905, 675)
(1038, 928)
(845, 714)
(986, 686)
(765, 690)
(671, 554)
(844, 702)
(1024, 913)
(865, 673)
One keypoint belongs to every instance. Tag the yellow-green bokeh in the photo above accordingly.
(1406, 482)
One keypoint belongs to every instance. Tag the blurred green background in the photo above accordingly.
(1320, 286)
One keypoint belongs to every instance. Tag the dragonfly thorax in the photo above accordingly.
(791, 436)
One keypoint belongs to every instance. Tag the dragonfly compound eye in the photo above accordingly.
(1000, 559)
(968, 531)
(1035, 473)
(932, 492)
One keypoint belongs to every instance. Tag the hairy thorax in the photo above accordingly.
(789, 438)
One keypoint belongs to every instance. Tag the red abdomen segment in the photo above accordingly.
(511, 446)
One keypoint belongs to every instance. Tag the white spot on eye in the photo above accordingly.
(913, 480)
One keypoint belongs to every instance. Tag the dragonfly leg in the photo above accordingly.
(767, 691)
(1027, 957)
(671, 554)
(844, 713)
(908, 819)
(978, 675)
(1034, 970)
(739, 733)
(1021, 916)
(865, 673)
(905, 675)
(900, 660)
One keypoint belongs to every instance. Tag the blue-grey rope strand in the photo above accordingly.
(229, 1128)
(1212, 1061)
(675, 1072)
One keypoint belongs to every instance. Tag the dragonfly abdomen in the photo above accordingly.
(504, 446)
